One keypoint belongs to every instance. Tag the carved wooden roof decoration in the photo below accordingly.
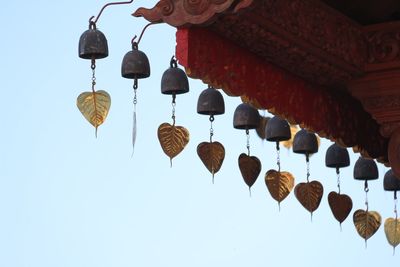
(186, 12)
(320, 63)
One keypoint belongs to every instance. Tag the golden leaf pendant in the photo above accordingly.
(366, 222)
(94, 106)
(392, 231)
(212, 155)
(309, 195)
(173, 139)
(340, 205)
(250, 168)
(279, 184)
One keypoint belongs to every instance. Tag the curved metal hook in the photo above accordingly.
(104, 7)
(173, 63)
(135, 44)
(144, 29)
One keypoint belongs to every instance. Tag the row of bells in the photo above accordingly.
(305, 142)
(135, 65)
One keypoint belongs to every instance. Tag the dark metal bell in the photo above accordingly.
(174, 80)
(391, 182)
(365, 169)
(337, 157)
(246, 117)
(93, 44)
(277, 130)
(305, 142)
(211, 102)
(135, 64)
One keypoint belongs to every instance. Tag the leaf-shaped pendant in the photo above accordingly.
(250, 167)
(340, 205)
(279, 184)
(392, 231)
(212, 155)
(309, 195)
(366, 223)
(94, 106)
(173, 139)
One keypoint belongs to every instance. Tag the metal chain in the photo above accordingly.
(308, 167)
(395, 204)
(366, 190)
(134, 97)
(93, 67)
(211, 128)
(338, 178)
(173, 108)
(248, 141)
(278, 156)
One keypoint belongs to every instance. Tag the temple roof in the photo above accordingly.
(333, 50)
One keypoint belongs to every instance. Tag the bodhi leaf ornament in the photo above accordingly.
(366, 223)
(212, 155)
(309, 195)
(250, 168)
(279, 184)
(173, 139)
(94, 106)
(392, 231)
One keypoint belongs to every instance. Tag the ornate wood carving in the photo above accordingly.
(307, 38)
(379, 89)
(332, 113)
(186, 12)
(383, 46)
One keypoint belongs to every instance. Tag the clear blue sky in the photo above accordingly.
(68, 199)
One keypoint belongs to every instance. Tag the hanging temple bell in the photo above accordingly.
(135, 64)
(245, 118)
(173, 82)
(93, 44)
(337, 157)
(212, 154)
(305, 142)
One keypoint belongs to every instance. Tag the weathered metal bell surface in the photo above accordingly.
(391, 182)
(246, 117)
(135, 65)
(337, 157)
(93, 44)
(211, 102)
(277, 130)
(174, 82)
(305, 142)
(365, 169)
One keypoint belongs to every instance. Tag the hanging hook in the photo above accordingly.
(144, 29)
(173, 63)
(136, 44)
(104, 7)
